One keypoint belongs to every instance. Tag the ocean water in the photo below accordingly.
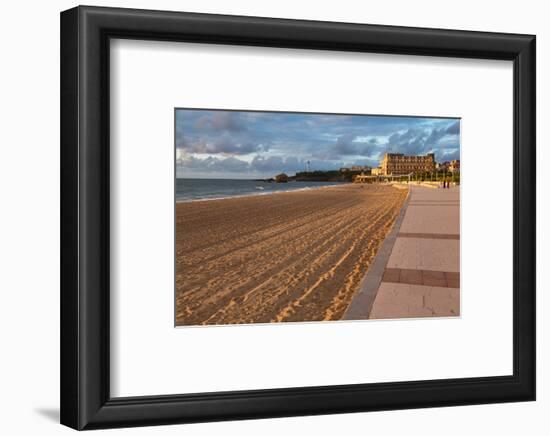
(204, 189)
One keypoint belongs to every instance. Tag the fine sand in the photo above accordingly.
(296, 256)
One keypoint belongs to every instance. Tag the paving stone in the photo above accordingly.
(398, 300)
(422, 275)
(426, 254)
(391, 275)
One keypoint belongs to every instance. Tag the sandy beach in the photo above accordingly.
(296, 256)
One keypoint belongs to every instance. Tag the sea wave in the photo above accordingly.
(252, 194)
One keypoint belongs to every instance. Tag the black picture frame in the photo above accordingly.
(85, 399)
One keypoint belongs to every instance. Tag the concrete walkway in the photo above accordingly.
(416, 273)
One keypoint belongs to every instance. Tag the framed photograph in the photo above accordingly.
(265, 217)
(313, 251)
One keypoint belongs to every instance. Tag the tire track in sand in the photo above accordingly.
(289, 257)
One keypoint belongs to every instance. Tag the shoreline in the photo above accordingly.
(252, 194)
(286, 258)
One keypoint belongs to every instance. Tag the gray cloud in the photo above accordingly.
(212, 164)
(220, 133)
(448, 155)
(275, 164)
(347, 145)
(221, 121)
(454, 129)
(411, 141)
(224, 144)
(420, 141)
(265, 165)
(344, 144)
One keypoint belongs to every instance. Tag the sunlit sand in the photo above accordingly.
(296, 256)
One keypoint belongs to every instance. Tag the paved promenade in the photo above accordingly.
(416, 272)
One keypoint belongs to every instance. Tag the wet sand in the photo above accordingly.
(296, 256)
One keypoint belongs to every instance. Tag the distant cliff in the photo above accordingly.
(316, 176)
(325, 176)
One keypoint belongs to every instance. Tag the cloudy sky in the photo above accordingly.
(241, 145)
